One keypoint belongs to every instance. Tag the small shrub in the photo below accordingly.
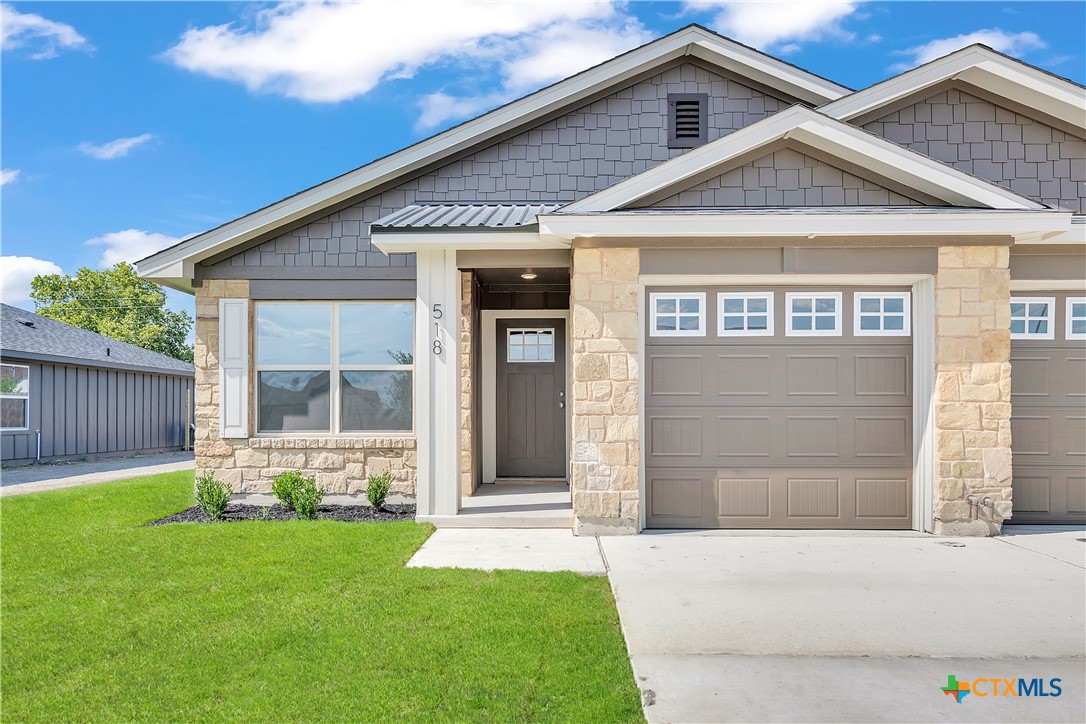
(377, 489)
(307, 497)
(212, 495)
(285, 488)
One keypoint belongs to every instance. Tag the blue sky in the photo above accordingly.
(127, 126)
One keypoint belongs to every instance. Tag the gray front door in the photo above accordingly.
(531, 398)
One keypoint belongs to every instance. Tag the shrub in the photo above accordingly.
(212, 495)
(285, 488)
(307, 497)
(377, 489)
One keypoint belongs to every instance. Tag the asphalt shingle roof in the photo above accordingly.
(49, 339)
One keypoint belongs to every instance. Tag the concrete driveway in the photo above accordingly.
(842, 628)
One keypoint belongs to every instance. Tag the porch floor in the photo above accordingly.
(511, 506)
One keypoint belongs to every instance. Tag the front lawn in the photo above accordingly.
(104, 618)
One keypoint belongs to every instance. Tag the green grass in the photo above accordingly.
(106, 619)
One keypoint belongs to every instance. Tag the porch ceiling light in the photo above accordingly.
(529, 276)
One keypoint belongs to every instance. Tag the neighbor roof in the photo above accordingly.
(175, 266)
(28, 336)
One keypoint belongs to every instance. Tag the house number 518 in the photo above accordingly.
(438, 314)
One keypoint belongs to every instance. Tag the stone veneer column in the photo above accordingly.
(606, 446)
(467, 388)
(972, 390)
(340, 464)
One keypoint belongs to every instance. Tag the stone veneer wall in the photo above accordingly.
(341, 464)
(606, 445)
(972, 390)
(468, 475)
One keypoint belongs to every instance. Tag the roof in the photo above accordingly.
(479, 216)
(175, 266)
(48, 340)
(809, 131)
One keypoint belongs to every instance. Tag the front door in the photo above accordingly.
(531, 398)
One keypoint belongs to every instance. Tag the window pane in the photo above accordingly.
(516, 339)
(801, 323)
(758, 323)
(689, 323)
(1018, 310)
(531, 338)
(1038, 326)
(733, 306)
(869, 304)
(294, 401)
(665, 324)
(1038, 310)
(801, 305)
(516, 353)
(531, 353)
(1078, 310)
(1078, 326)
(894, 322)
(894, 304)
(377, 333)
(757, 304)
(867, 322)
(14, 380)
(690, 306)
(294, 334)
(733, 323)
(825, 323)
(376, 401)
(546, 353)
(12, 412)
(665, 306)
(824, 304)
(1018, 326)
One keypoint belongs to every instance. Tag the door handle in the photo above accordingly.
(561, 404)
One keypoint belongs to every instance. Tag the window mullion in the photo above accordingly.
(334, 371)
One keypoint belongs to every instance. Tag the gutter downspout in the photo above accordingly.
(38, 432)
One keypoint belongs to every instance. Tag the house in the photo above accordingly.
(705, 286)
(68, 393)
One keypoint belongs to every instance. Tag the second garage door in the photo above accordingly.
(778, 408)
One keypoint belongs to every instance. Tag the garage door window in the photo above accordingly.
(678, 315)
(1076, 318)
(745, 314)
(813, 315)
(1032, 318)
(881, 315)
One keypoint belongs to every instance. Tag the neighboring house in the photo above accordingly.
(708, 287)
(69, 393)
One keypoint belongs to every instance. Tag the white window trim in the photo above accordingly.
(906, 307)
(1051, 302)
(721, 297)
(835, 332)
(19, 396)
(333, 370)
(677, 296)
(529, 330)
(1067, 333)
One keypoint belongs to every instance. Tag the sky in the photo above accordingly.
(127, 126)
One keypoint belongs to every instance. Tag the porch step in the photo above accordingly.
(515, 506)
(531, 481)
(497, 520)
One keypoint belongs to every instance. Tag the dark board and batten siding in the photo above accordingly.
(86, 411)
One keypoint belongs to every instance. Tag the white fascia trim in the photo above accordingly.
(768, 71)
(810, 226)
(976, 66)
(689, 41)
(831, 136)
(1048, 285)
(401, 242)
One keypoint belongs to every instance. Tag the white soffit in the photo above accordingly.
(832, 137)
(690, 41)
(978, 66)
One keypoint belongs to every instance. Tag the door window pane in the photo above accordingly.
(813, 314)
(530, 345)
(1032, 317)
(743, 314)
(1076, 318)
(677, 314)
(882, 314)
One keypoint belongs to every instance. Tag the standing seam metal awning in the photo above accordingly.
(484, 216)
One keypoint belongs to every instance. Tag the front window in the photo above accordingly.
(1032, 318)
(335, 366)
(14, 397)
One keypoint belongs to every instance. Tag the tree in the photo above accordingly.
(117, 303)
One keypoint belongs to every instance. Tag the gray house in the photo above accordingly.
(69, 393)
(692, 287)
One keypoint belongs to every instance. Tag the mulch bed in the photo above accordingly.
(240, 511)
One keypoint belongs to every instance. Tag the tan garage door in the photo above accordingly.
(805, 422)
(1048, 422)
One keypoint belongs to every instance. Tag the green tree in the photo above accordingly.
(117, 303)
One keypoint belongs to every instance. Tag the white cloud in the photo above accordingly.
(1016, 44)
(8, 175)
(16, 273)
(42, 36)
(331, 52)
(765, 25)
(130, 245)
(114, 149)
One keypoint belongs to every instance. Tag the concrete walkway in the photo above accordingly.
(851, 628)
(37, 478)
(537, 549)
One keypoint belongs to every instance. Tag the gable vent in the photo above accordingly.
(687, 115)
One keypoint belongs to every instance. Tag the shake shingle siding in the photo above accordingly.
(561, 160)
(993, 143)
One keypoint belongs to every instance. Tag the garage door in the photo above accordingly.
(778, 408)
(1048, 423)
